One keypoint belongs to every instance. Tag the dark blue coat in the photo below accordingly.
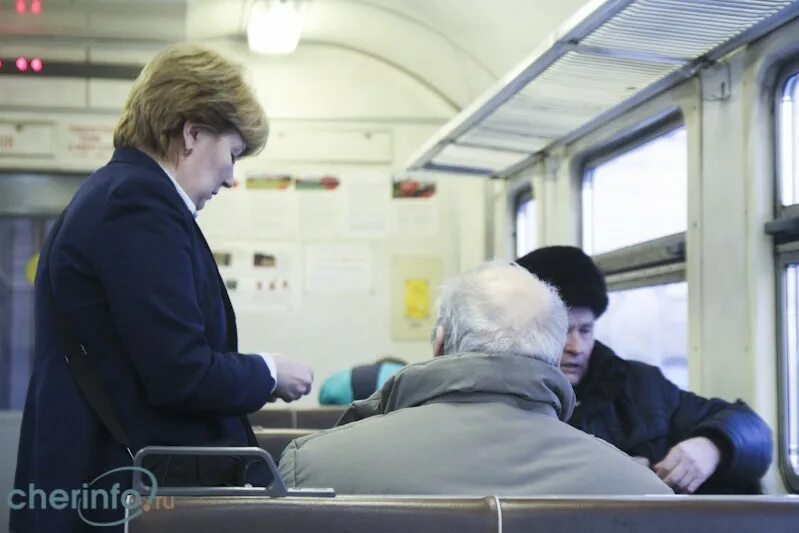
(634, 407)
(134, 274)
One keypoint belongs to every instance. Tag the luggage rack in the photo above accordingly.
(611, 56)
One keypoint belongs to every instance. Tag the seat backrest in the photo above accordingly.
(354, 514)
(664, 514)
(273, 418)
(319, 515)
(275, 440)
(311, 418)
(319, 418)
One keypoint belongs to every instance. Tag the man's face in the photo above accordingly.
(579, 344)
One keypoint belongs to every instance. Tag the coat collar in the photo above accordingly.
(605, 370)
(601, 385)
(137, 157)
(467, 377)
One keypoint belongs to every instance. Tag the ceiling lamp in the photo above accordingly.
(274, 26)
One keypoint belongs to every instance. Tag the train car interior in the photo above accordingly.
(411, 141)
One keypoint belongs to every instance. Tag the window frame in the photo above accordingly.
(784, 229)
(651, 263)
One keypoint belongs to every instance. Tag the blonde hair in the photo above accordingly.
(186, 82)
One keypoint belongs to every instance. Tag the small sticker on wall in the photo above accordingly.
(417, 299)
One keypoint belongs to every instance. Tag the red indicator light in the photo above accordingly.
(22, 64)
(36, 7)
(36, 64)
(21, 7)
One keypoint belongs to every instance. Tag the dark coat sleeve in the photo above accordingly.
(146, 270)
(745, 439)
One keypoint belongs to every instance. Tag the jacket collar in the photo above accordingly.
(137, 157)
(471, 377)
(602, 384)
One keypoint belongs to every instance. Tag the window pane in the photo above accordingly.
(526, 240)
(637, 196)
(20, 238)
(650, 324)
(792, 363)
(789, 156)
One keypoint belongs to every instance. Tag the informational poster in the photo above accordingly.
(415, 283)
(367, 206)
(320, 206)
(273, 214)
(230, 261)
(415, 217)
(269, 182)
(338, 267)
(410, 188)
(89, 142)
(260, 276)
(417, 299)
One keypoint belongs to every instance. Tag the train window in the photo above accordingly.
(787, 239)
(788, 114)
(637, 194)
(21, 239)
(791, 367)
(650, 324)
(634, 217)
(526, 227)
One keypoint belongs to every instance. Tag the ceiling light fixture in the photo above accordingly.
(275, 26)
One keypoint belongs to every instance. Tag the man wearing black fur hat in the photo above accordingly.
(693, 444)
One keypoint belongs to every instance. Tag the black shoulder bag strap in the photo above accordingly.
(77, 358)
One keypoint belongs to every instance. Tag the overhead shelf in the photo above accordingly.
(611, 56)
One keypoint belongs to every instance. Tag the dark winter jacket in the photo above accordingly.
(634, 407)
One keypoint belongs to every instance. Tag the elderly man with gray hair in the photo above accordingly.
(484, 416)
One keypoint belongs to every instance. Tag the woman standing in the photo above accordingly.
(128, 286)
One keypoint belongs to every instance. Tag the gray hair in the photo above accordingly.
(500, 307)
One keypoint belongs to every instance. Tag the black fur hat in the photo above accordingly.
(578, 280)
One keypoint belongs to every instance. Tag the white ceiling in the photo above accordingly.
(456, 48)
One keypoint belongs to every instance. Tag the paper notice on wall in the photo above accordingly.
(260, 276)
(87, 142)
(320, 214)
(415, 217)
(272, 214)
(417, 299)
(367, 206)
(230, 260)
(414, 286)
(338, 268)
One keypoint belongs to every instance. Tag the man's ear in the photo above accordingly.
(438, 342)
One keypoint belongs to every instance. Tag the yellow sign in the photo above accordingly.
(417, 299)
(30, 268)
